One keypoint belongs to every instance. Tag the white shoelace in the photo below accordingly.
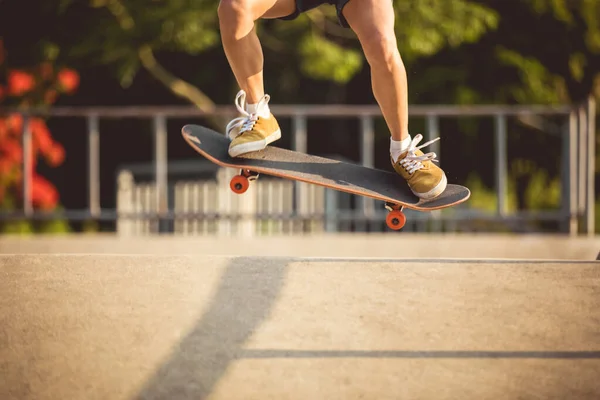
(246, 122)
(412, 162)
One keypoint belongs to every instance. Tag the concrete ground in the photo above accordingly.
(389, 245)
(160, 324)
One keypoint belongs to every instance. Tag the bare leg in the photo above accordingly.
(240, 42)
(373, 23)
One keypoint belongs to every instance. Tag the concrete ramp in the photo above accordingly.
(215, 327)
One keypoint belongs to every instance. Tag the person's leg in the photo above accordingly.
(373, 23)
(257, 127)
(240, 41)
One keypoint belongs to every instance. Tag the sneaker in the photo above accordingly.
(425, 179)
(252, 131)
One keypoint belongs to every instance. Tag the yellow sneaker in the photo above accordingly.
(252, 131)
(425, 179)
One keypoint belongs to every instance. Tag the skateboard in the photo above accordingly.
(388, 187)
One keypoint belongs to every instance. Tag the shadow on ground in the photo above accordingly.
(245, 296)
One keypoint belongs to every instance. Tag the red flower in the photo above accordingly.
(6, 166)
(41, 135)
(11, 151)
(30, 86)
(43, 193)
(20, 82)
(15, 123)
(56, 155)
(68, 79)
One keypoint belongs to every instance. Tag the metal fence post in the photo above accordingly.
(572, 174)
(591, 167)
(367, 144)
(93, 165)
(160, 164)
(299, 140)
(27, 165)
(367, 159)
(581, 157)
(501, 164)
(299, 143)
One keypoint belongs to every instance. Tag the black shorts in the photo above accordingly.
(305, 5)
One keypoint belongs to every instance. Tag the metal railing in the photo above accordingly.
(578, 141)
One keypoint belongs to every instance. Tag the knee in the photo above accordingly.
(381, 50)
(233, 12)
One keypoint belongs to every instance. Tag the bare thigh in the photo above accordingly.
(370, 19)
(256, 9)
(281, 8)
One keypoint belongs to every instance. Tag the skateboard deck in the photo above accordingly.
(346, 177)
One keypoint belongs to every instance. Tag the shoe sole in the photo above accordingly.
(435, 192)
(254, 146)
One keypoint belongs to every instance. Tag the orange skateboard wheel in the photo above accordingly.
(395, 220)
(239, 184)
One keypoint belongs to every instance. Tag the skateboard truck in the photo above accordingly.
(395, 219)
(240, 183)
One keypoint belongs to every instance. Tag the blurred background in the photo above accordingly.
(93, 95)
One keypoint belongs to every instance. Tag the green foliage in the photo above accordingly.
(187, 26)
(323, 59)
(428, 26)
(542, 193)
(538, 84)
(323, 50)
(473, 49)
(572, 12)
(90, 226)
(27, 227)
(17, 228)
(54, 226)
(559, 60)
(485, 199)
